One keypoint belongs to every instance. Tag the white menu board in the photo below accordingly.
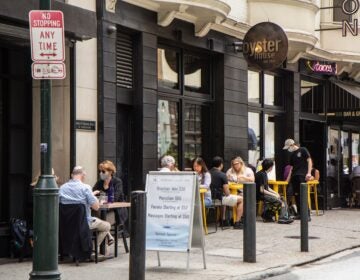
(170, 210)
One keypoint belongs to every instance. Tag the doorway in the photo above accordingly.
(313, 137)
(15, 133)
(124, 150)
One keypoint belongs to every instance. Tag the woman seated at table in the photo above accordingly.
(239, 172)
(113, 188)
(204, 178)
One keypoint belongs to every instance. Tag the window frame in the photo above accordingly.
(184, 97)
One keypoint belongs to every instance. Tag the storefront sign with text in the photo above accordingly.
(318, 67)
(265, 46)
(350, 7)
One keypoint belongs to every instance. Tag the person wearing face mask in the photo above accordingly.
(112, 186)
(300, 170)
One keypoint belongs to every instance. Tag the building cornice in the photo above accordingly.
(202, 13)
(310, 4)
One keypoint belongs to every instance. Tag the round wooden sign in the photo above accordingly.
(265, 46)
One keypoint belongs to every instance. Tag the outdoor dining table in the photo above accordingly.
(234, 188)
(104, 208)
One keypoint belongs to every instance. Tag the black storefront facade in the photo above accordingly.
(16, 104)
(329, 127)
(162, 90)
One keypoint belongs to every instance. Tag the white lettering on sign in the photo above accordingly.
(47, 35)
(49, 70)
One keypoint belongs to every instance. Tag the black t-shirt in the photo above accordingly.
(298, 160)
(261, 179)
(218, 180)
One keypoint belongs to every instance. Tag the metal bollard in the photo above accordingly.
(249, 253)
(304, 217)
(137, 236)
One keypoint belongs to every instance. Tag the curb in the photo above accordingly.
(276, 271)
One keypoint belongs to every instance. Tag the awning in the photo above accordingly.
(350, 88)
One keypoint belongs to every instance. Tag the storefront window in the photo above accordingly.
(269, 137)
(355, 150)
(253, 137)
(184, 123)
(168, 119)
(168, 68)
(345, 151)
(193, 135)
(253, 87)
(269, 89)
(196, 70)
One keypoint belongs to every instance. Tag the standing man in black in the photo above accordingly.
(301, 165)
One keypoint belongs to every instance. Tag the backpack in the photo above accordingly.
(21, 239)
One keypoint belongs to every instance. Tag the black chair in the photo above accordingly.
(355, 192)
(75, 236)
(213, 208)
(119, 229)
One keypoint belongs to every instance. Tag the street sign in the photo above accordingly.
(47, 35)
(48, 70)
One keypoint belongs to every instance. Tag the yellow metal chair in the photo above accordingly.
(312, 190)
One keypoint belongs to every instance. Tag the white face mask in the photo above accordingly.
(292, 149)
(104, 176)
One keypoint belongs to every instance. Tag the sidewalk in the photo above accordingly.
(278, 248)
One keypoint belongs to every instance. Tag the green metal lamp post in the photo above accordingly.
(46, 195)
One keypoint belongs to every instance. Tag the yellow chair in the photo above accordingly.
(312, 189)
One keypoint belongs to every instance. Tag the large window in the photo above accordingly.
(184, 105)
(168, 120)
(338, 13)
(168, 68)
(254, 137)
(265, 97)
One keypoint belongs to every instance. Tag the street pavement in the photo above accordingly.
(277, 252)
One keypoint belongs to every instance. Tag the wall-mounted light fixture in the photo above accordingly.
(238, 46)
(111, 29)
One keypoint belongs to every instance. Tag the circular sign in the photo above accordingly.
(265, 46)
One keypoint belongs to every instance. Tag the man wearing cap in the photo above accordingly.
(75, 192)
(300, 170)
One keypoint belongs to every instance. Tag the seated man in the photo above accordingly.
(220, 190)
(75, 192)
(272, 200)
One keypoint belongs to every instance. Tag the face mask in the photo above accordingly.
(291, 149)
(104, 176)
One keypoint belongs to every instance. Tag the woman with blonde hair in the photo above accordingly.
(239, 172)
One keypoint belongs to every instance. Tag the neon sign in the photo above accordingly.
(319, 67)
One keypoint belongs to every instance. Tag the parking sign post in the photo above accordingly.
(46, 194)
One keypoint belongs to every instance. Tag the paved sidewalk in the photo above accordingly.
(278, 249)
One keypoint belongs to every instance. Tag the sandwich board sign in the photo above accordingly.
(47, 44)
(173, 216)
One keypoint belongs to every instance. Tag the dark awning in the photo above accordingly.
(350, 88)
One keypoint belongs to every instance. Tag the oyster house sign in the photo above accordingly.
(265, 46)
